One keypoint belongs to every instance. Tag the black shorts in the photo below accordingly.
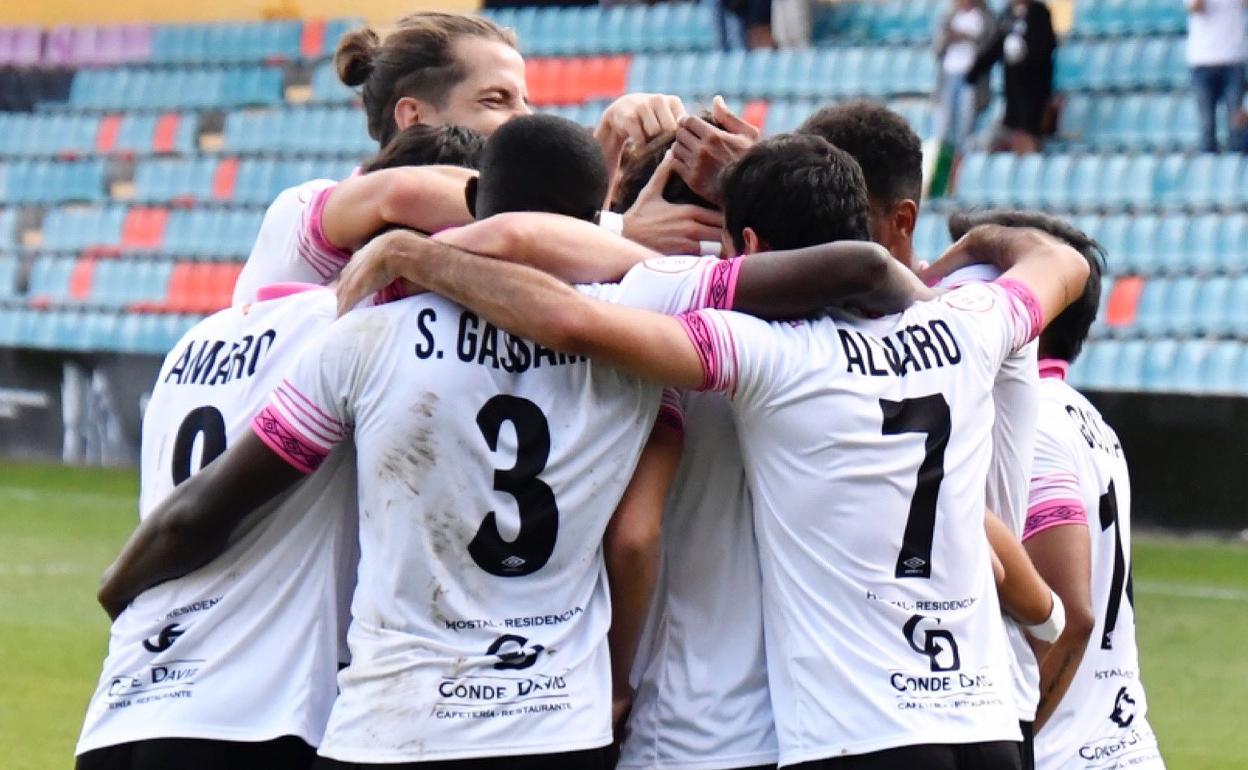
(1027, 749)
(995, 755)
(592, 759)
(285, 753)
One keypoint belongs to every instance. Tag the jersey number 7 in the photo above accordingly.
(928, 415)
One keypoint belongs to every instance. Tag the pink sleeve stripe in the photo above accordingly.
(290, 387)
(1048, 487)
(1056, 513)
(286, 442)
(1025, 311)
(719, 360)
(719, 285)
(309, 427)
(314, 247)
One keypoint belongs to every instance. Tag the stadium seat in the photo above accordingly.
(1179, 317)
(1221, 368)
(1129, 365)
(1159, 369)
(1212, 312)
(1150, 317)
(1123, 304)
(1238, 305)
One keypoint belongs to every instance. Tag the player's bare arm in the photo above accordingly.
(1063, 557)
(566, 247)
(1055, 272)
(193, 525)
(427, 198)
(1024, 594)
(631, 549)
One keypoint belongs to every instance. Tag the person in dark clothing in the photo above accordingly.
(1025, 41)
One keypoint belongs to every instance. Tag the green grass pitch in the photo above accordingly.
(59, 527)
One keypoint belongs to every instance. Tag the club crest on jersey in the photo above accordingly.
(977, 299)
(165, 639)
(938, 644)
(514, 652)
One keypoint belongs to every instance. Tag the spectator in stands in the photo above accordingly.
(965, 28)
(1217, 46)
(742, 23)
(1026, 42)
(791, 23)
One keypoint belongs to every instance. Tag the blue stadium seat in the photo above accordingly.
(326, 87)
(1238, 306)
(1212, 311)
(1191, 360)
(1204, 244)
(1180, 313)
(1154, 304)
(1222, 366)
(1232, 253)
(1086, 180)
(8, 276)
(1159, 365)
(1129, 374)
(1028, 181)
(1053, 190)
(1094, 369)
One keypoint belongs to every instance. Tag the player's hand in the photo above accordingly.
(665, 227)
(621, 704)
(375, 267)
(639, 118)
(703, 152)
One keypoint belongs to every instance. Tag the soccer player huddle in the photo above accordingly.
(655, 447)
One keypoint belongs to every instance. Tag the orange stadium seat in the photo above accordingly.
(165, 137)
(144, 228)
(81, 279)
(224, 178)
(106, 134)
(1124, 301)
(312, 39)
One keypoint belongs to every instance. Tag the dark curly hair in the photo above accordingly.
(1063, 338)
(885, 146)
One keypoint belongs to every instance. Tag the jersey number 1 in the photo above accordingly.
(535, 501)
(928, 415)
(1109, 518)
(203, 421)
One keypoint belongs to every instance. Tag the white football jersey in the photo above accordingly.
(245, 648)
(1080, 479)
(1016, 398)
(490, 467)
(867, 445)
(700, 677)
(291, 245)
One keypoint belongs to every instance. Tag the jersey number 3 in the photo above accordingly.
(204, 421)
(535, 501)
(928, 415)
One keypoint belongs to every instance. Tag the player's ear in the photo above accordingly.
(753, 243)
(905, 217)
(470, 196)
(407, 112)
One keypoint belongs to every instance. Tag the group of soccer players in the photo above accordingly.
(530, 494)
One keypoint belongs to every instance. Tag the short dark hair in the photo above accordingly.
(541, 163)
(796, 191)
(1063, 338)
(639, 165)
(423, 145)
(883, 143)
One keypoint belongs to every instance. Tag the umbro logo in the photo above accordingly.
(513, 562)
(165, 639)
(914, 562)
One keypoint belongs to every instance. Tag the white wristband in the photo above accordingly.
(611, 222)
(1052, 627)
